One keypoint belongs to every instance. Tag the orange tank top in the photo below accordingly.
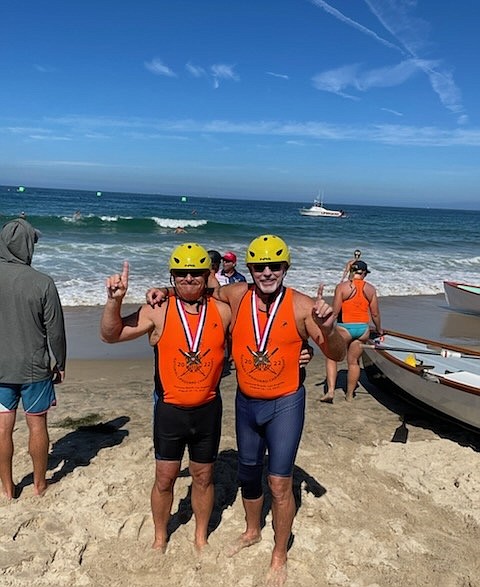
(355, 309)
(275, 371)
(182, 377)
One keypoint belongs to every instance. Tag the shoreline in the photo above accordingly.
(426, 316)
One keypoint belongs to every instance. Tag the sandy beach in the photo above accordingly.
(371, 512)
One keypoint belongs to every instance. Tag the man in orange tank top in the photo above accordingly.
(355, 301)
(271, 324)
(188, 336)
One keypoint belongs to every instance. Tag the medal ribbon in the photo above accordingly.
(193, 343)
(261, 340)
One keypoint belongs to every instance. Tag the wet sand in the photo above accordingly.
(427, 316)
(371, 512)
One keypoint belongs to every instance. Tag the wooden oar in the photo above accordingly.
(445, 353)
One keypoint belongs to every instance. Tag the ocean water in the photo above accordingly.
(410, 251)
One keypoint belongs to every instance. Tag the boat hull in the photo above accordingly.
(321, 212)
(447, 386)
(462, 296)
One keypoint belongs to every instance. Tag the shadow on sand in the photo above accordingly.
(78, 448)
(226, 491)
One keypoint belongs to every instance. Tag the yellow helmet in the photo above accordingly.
(190, 256)
(267, 248)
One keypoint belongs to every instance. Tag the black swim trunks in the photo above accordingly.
(199, 428)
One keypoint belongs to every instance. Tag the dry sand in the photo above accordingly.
(371, 512)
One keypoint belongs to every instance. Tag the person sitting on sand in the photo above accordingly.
(355, 301)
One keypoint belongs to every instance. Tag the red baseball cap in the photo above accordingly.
(229, 256)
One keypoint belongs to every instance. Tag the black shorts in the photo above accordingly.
(198, 428)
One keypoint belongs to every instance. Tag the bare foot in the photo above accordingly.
(328, 397)
(200, 545)
(349, 396)
(9, 493)
(160, 545)
(40, 489)
(276, 576)
(240, 543)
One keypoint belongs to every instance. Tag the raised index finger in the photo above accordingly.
(320, 290)
(125, 273)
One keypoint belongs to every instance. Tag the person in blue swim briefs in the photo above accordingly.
(356, 303)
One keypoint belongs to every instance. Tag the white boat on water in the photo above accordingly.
(442, 379)
(462, 296)
(318, 209)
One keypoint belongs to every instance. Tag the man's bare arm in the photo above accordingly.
(114, 327)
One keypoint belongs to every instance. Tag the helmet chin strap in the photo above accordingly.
(197, 302)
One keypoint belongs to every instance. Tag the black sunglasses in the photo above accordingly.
(185, 272)
(260, 267)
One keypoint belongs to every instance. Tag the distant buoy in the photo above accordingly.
(184, 198)
(99, 194)
(20, 189)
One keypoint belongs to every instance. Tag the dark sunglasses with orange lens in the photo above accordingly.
(260, 267)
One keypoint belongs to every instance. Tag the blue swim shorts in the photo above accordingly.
(36, 397)
(272, 425)
(355, 329)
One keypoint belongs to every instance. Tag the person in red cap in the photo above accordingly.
(229, 271)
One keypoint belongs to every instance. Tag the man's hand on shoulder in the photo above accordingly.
(155, 296)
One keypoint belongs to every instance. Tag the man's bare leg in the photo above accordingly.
(253, 533)
(283, 513)
(7, 422)
(166, 473)
(202, 500)
(38, 445)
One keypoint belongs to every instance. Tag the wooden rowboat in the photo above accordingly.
(443, 379)
(462, 296)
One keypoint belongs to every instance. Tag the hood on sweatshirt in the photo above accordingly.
(17, 240)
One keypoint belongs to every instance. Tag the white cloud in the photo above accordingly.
(336, 80)
(411, 35)
(345, 19)
(49, 137)
(195, 70)
(44, 68)
(281, 75)
(392, 111)
(221, 71)
(297, 131)
(157, 67)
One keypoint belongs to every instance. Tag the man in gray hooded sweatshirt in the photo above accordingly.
(31, 326)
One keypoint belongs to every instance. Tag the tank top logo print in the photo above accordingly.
(192, 368)
(260, 365)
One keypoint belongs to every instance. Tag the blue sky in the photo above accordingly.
(370, 101)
